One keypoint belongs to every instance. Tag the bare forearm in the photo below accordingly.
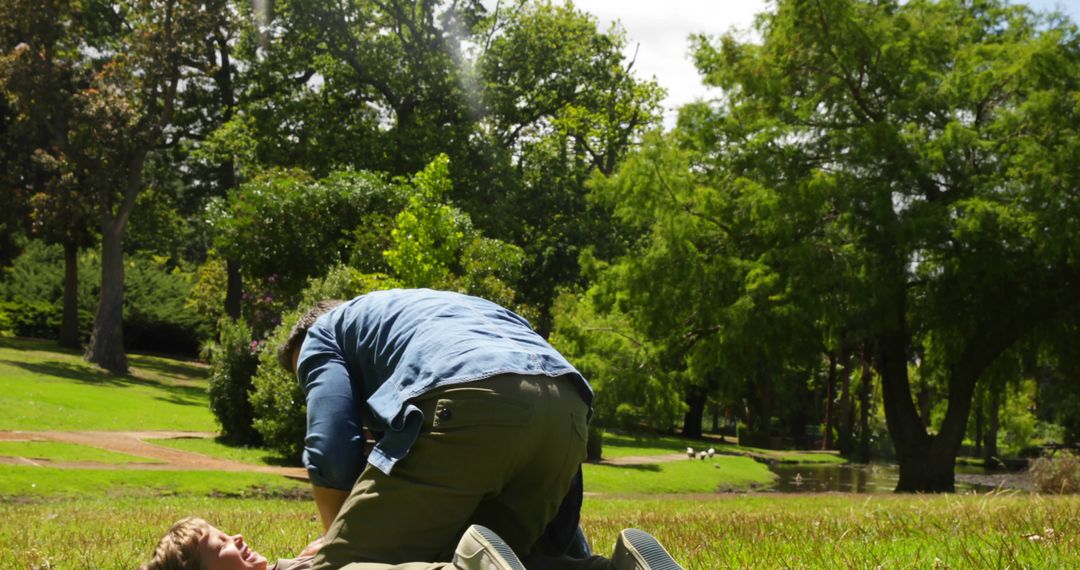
(329, 502)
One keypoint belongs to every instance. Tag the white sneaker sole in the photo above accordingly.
(644, 551)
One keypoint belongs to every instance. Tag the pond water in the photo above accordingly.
(853, 478)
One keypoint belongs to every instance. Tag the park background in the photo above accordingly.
(858, 248)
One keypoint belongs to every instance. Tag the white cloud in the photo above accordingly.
(660, 33)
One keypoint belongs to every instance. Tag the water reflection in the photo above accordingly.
(873, 478)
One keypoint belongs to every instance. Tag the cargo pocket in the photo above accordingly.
(476, 409)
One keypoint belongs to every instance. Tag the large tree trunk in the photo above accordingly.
(865, 386)
(696, 397)
(990, 451)
(234, 284)
(69, 326)
(846, 411)
(922, 468)
(979, 410)
(927, 463)
(234, 288)
(106, 347)
(830, 387)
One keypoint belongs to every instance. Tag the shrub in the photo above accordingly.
(233, 361)
(277, 401)
(1059, 474)
(36, 319)
(156, 314)
(280, 411)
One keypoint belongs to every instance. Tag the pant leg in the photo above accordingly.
(530, 500)
(480, 441)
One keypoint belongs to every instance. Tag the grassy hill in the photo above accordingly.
(43, 387)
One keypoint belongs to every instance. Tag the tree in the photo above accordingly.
(283, 227)
(120, 117)
(560, 102)
(525, 100)
(434, 244)
(933, 141)
(40, 77)
(698, 288)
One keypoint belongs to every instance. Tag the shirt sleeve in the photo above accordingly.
(334, 445)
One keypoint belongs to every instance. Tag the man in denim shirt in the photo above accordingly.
(477, 420)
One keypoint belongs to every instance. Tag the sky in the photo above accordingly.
(659, 31)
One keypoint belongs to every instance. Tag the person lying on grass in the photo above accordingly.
(194, 544)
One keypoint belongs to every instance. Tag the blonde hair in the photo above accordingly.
(178, 549)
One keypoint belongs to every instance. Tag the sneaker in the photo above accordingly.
(639, 550)
(482, 549)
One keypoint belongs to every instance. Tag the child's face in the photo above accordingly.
(219, 551)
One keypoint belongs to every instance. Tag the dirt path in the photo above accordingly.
(138, 443)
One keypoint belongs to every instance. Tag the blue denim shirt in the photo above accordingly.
(363, 361)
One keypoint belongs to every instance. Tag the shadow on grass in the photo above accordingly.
(33, 344)
(176, 369)
(162, 364)
(182, 395)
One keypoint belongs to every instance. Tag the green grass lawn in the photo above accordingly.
(57, 451)
(101, 518)
(19, 482)
(623, 445)
(702, 532)
(43, 387)
(214, 448)
(721, 473)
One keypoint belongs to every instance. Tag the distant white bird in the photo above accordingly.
(702, 455)
(711, 452)
(690, 452)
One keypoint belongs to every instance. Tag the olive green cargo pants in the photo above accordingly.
(499, 452)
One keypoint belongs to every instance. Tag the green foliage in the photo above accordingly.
(156, 315)
(430, 233)
(36, 319)
(1058, 474)
(903, 201)
(563, 104)
(632, 387)
(233, 361)
(284, 227)
(278, 403)
(157, 227)
(280, 411)
(435, 245)
(207, 296)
